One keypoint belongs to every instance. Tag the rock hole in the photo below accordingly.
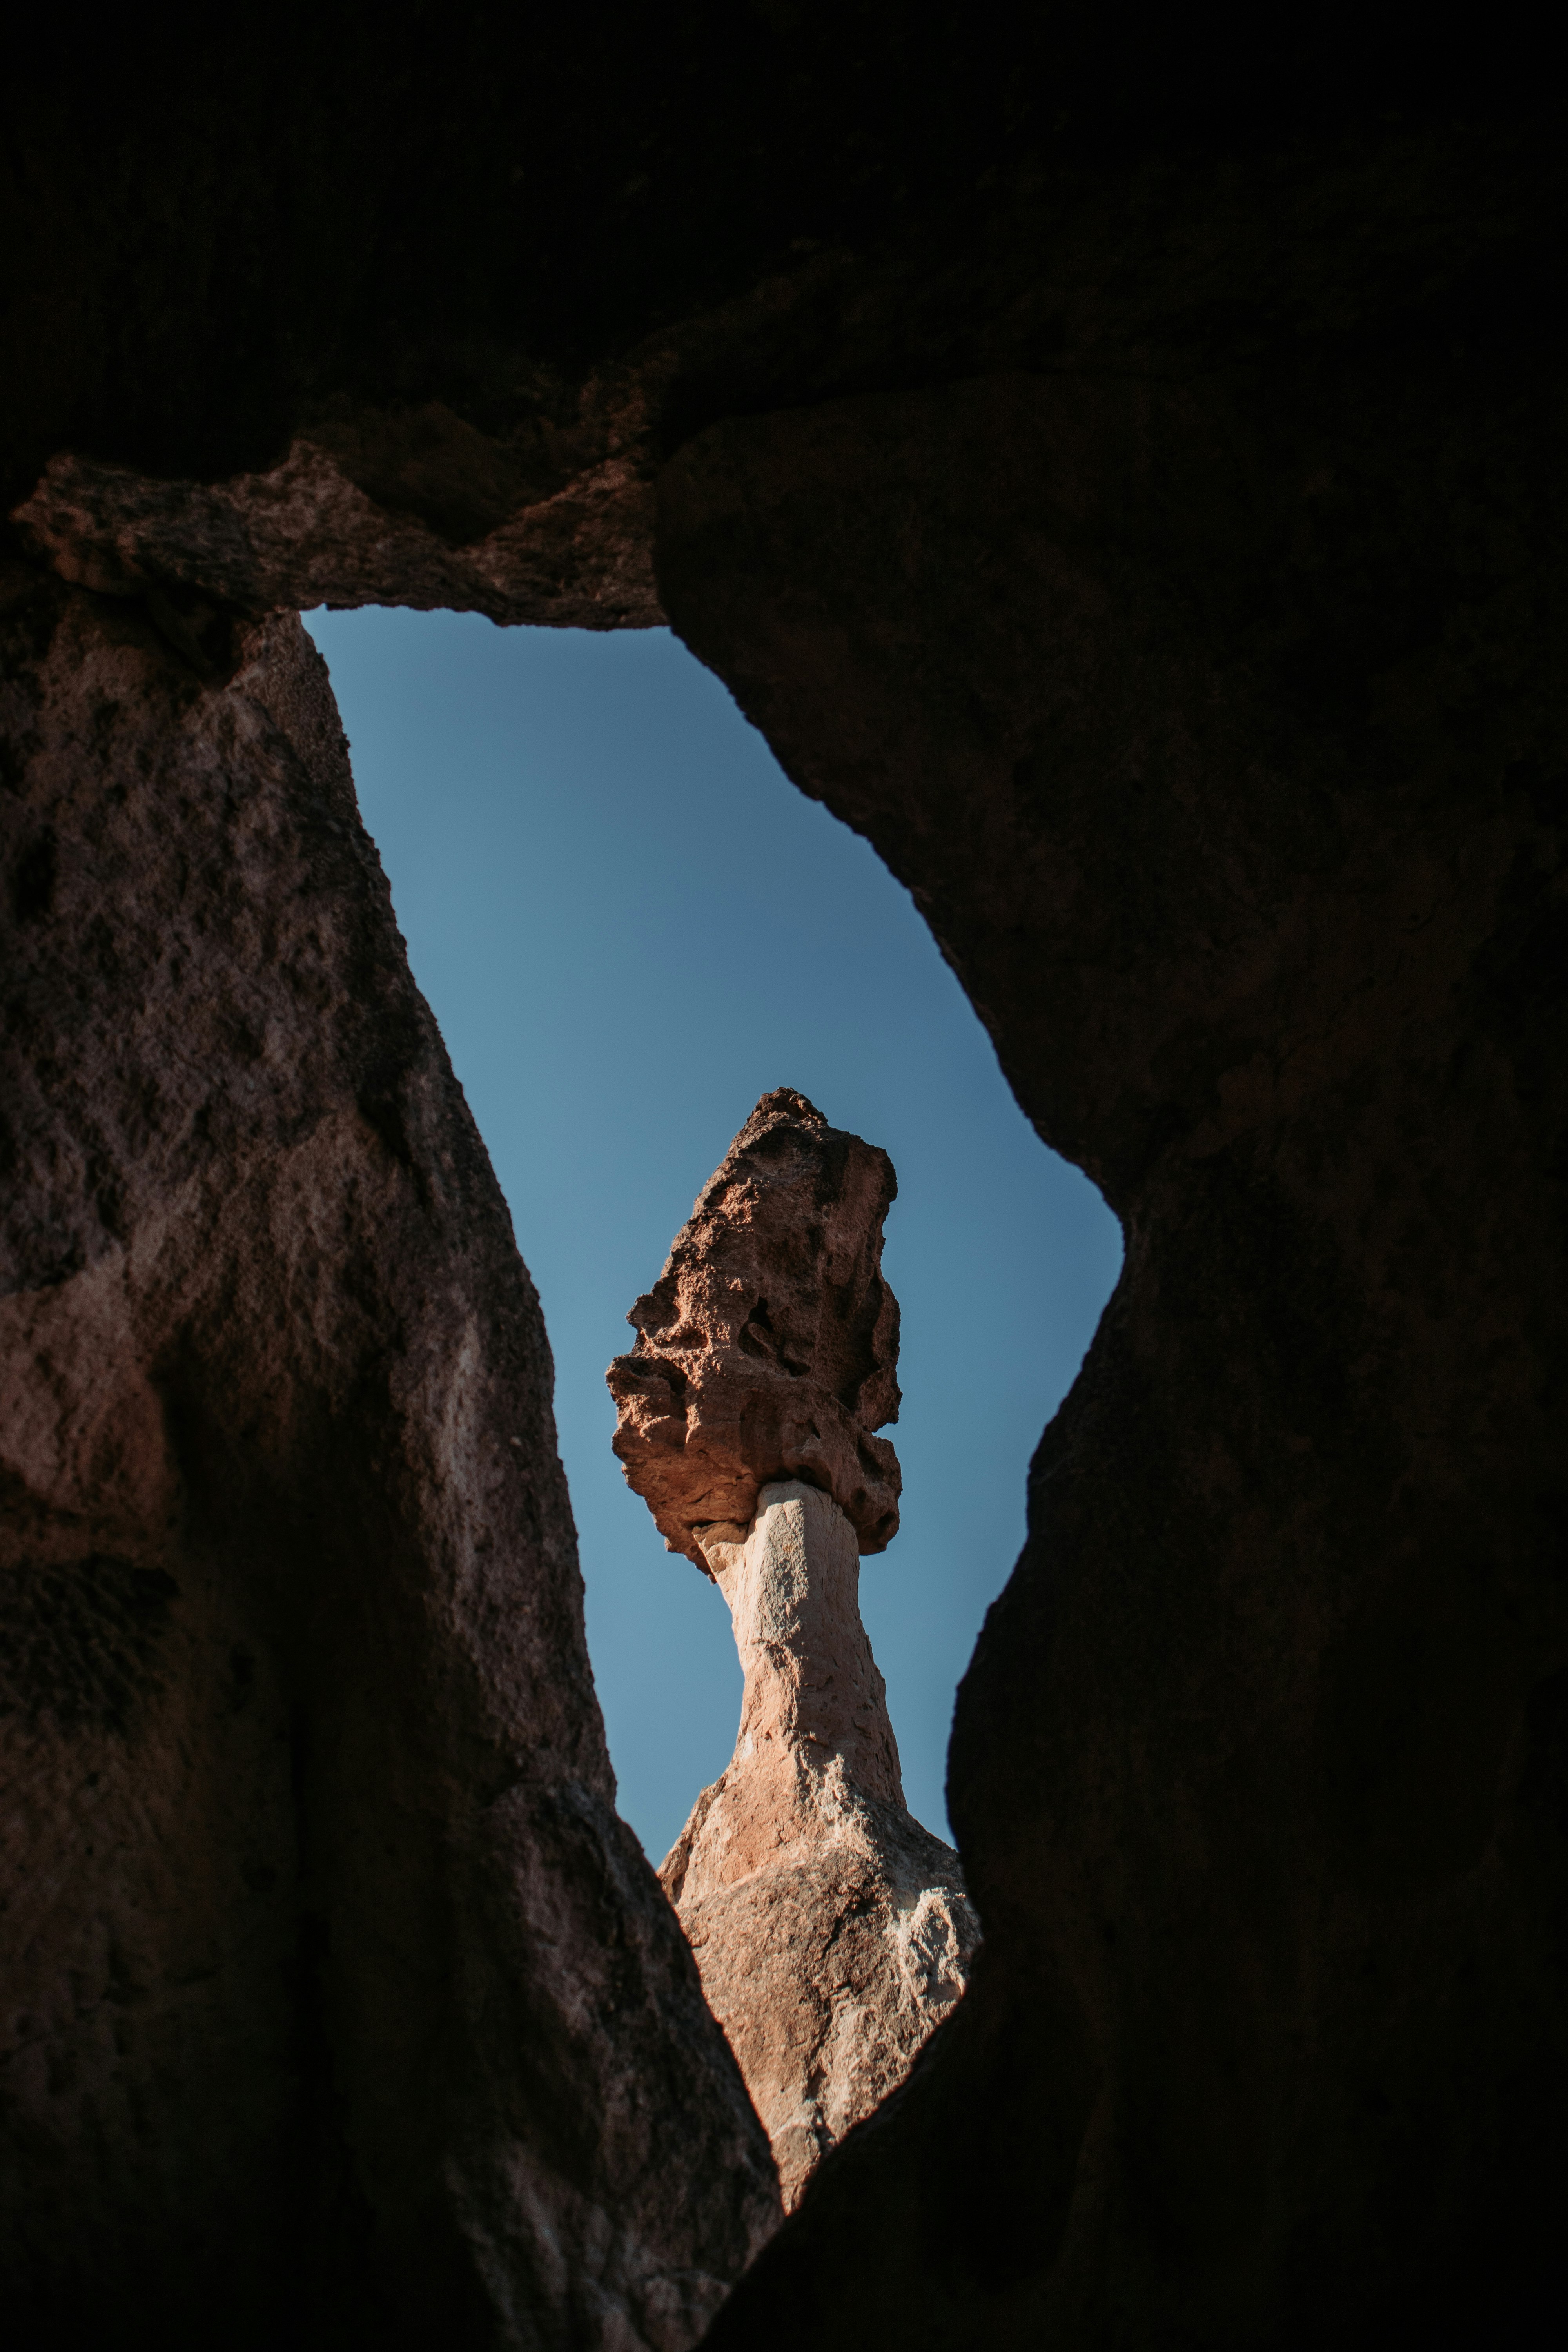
(629, 925)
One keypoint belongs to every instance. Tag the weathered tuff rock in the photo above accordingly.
(1259, 732)
(768, 1348)
(338, 2006)
(832, 1931)
(564, 540)
(1117, 458)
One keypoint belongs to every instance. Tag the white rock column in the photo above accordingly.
(831, 1930)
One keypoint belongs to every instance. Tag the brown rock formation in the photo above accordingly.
(339, 2007)
(1257, 1770)
(768, 1347)
(569, 546)
(832, 1931)
(1117, 458)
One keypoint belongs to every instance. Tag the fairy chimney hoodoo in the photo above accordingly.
(831, 1930)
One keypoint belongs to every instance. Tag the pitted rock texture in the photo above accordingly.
(338, 2007)
(567, 542)
(832, 1931)
(1117, 458)
(769, 1346)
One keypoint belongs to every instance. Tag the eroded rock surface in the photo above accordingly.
(768, 1348)
(337, 2005)
(565, 542)
(832, 1931)
(1257, 1770)
(1118, 464)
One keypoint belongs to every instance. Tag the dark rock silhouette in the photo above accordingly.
(1248, 1771)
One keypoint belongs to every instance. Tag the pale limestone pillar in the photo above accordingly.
(831, 1930)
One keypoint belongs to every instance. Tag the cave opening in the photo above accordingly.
(628, 923)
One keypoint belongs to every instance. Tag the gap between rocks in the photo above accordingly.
(628, 923)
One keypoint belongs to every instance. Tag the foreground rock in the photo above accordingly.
(337, 2007)
(1119, 466)
(832, 1931)
(1260, 1771)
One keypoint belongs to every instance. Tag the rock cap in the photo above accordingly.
(768, 1348)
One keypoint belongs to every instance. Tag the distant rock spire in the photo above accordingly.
(769, 1346)
(831, 1932)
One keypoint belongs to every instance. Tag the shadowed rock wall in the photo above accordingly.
(831, 1930)
(339, 2007)
(1219, 728)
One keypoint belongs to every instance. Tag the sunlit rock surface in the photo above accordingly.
(769, 1345)
(832, 1931)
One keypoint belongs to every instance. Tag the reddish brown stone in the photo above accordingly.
(831, 1930)
(768, 1347)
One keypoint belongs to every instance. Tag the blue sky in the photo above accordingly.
(630, 925)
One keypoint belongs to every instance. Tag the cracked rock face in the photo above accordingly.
(768, 1347)
(832, 1931)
